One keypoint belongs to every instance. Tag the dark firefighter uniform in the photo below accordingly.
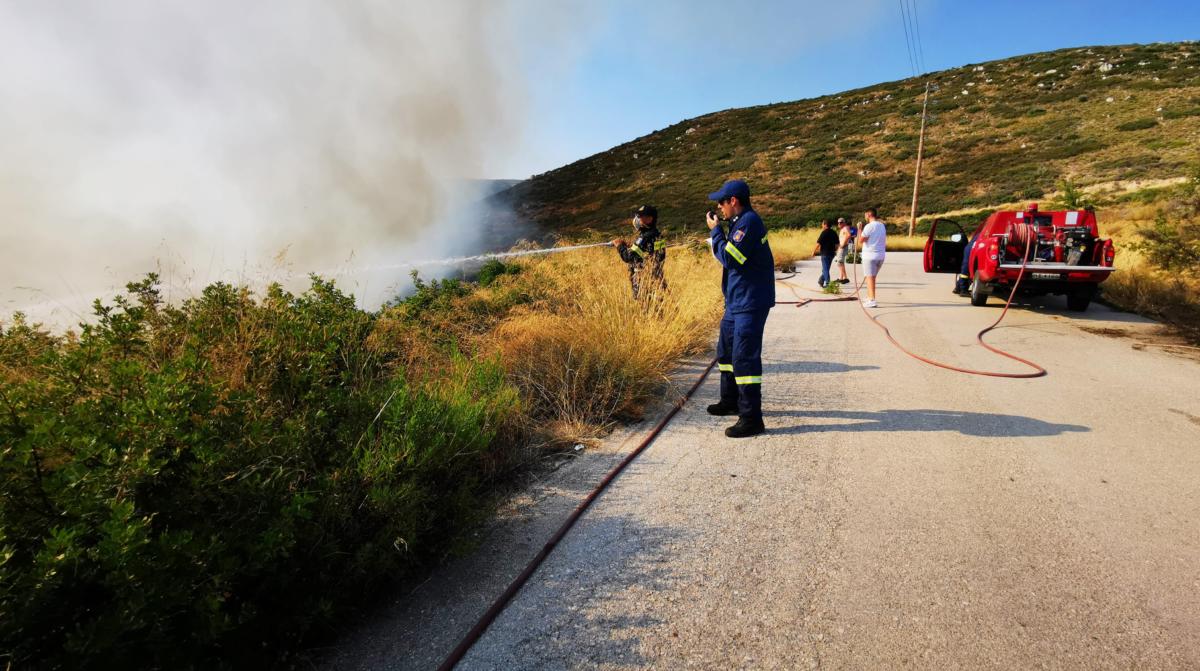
(962, 284)
(646, 256)
(748, 282)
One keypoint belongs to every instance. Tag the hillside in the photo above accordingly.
(1000, 131)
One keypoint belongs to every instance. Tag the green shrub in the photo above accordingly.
(429, 296)
(496, 268)
(1171, 245)
(1130, 161)
(206, 485)
(1072, 197)
(1181, 113)
(1137, 124)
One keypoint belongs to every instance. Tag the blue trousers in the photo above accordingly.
(739, 357)
(826, 262)
(963, 281)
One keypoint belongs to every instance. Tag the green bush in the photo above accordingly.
(1181, 113)
(1171, 245)
(206, 485)
(1072, 197)
(1137, 124)
(436, 295)
(495, 268)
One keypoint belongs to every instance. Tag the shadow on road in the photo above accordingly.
(812, 367)
(983, 424)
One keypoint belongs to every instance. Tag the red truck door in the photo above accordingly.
(945, 246)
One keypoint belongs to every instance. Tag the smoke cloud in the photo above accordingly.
(242, 141)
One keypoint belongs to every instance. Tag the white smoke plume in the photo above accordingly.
(208, 139)
(205, 139)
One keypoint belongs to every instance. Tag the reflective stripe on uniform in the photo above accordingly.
(734, 252)
(660, 245)
(748, 379)
(638, 251)
(764, 240)
(725, 367)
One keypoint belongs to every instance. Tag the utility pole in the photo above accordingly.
(912, 222)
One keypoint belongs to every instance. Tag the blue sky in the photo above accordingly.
(597, 77)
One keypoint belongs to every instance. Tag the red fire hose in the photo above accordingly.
(502, 601)
(1038, 371)
(510, 592)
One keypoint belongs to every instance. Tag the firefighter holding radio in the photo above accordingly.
(748, 282)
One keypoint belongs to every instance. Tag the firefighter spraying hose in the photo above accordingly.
(1021, 233)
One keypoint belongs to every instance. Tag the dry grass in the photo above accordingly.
(586, 352)
(903, 243)
(1138, 286)
(796, 244)
(790, 245)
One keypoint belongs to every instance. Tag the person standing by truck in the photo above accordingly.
(646, 256)
(873, 243)
(827, 246)
(748, 282)
(845, 244)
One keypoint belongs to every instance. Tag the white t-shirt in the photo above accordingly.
(874, 237)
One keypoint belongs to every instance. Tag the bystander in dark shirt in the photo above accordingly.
(828, 241)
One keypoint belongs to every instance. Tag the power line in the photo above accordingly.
(907, 39)
(912, 32)
(912, 63)
(920, 42)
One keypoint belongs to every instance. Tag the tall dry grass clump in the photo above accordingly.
(587, 352)
(790, 245)
(901, 242)
(1167, 297)
(1157, 252)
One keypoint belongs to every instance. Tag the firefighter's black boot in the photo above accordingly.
(745, 428)
(723, 409)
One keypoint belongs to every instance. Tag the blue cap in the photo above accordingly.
(734, 187)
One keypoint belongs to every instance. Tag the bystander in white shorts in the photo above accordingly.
(840, 255)
(871, 267)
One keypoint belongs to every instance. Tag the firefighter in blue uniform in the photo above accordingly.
(748, 282)
(646, 256)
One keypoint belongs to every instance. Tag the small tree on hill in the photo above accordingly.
(1072, 196)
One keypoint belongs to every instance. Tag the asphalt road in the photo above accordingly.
(894, 515)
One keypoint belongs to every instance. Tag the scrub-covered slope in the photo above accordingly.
(1000, 131)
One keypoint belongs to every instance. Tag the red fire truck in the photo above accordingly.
(1062, 252)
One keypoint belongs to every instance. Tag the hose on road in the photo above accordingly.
(503, 600)
(476, 632)
(1038, 371)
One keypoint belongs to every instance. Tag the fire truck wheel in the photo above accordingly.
(979, 293)
(1079, 299)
